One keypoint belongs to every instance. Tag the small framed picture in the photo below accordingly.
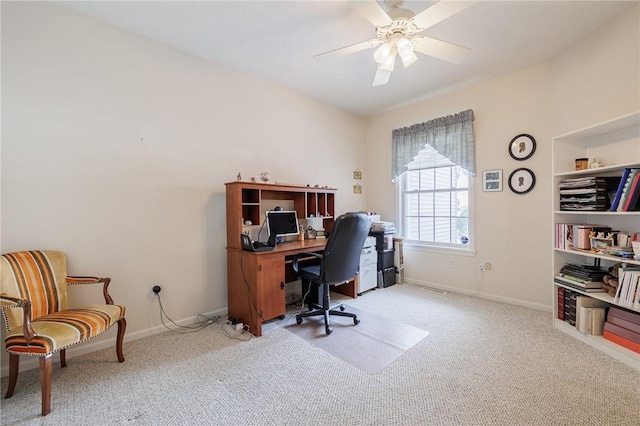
(357, 189)
(357, 175)
(492, 180)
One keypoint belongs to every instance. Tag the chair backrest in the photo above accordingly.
(341, 257)
(39, 276)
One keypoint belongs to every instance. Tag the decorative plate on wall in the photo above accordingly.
(522, 180)
(522, 147)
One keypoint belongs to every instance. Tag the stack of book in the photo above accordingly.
(627, 196)
(567, 305)
(585, 193)
(585, 278)
(583, 312)
(623, 327)
(628, 291)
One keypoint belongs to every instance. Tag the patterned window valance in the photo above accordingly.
(451, 136)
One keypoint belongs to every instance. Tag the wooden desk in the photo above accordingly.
(256, 281)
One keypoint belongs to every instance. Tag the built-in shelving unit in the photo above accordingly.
(617, 142)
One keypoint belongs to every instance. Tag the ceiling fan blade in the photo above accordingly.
(440, 49)
(439, 12)
(381, 77)
(372, 11)
(369, 44)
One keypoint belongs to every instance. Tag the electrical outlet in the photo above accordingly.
(239, 326)
(482, 267)
(156, 289)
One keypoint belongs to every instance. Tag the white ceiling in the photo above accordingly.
(277, 40)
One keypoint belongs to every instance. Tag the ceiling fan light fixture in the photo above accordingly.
(408, 59)
(389, 61)
(405, 51)
(382, 53)
(405, 47)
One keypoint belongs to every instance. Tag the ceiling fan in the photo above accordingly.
(397, 34)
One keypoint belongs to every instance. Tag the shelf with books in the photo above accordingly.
(616, 143)
(602, 296)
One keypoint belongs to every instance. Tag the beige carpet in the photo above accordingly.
(483, 363)
(371, 345)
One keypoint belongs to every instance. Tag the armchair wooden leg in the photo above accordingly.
(63, 358)
(46, 367)
(122, 326)
(14, 364)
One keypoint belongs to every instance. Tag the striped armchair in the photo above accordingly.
(33, 298)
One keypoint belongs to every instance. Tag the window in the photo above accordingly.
(434, 197)
(433, 164)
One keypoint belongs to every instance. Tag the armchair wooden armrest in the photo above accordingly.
(93, 280)
(296, 258)
(7, 301)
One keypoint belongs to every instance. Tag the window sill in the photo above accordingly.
(415, 246)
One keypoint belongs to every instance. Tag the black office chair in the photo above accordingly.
(338, 264)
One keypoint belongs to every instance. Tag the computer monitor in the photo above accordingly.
(282, 223)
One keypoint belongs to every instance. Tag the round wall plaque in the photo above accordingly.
(522, 180)
(522, 147)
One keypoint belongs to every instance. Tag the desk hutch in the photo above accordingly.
(256, 280)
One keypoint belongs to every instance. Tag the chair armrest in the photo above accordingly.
(93, 280)
(296, 258)
(7, 301)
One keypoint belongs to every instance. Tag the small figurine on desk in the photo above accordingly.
(253, 179)
(239, 177)
(265, 176)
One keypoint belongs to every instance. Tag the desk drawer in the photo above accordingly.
(367, 278)
(368, 256)
(385, 259)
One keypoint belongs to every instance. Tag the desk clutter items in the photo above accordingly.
(587, 193)
(597, 239)
(582, 163)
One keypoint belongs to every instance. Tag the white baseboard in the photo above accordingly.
(488, 296)
(31, 362)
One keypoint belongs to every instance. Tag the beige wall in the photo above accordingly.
(77, 98)
(596, 80)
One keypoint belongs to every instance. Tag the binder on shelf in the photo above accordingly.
(616, 199)
(624, 323)
(627, 286)
(625, 315)
(634, 192)
(629, 344)
(622, 332)
(627, 189)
